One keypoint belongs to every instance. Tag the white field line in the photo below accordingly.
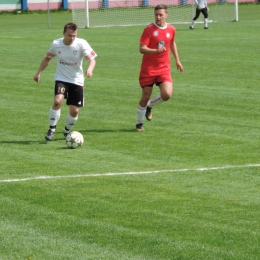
(129, 173)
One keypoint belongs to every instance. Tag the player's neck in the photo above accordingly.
(67, 42)
(161, 26)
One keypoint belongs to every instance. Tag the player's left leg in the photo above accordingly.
(71, 119)
(164, 95)
(75, 100)
(165, 91)
(205, 13)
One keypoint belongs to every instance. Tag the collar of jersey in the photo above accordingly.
(164, 27)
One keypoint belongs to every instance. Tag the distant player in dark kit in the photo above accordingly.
(201, 7)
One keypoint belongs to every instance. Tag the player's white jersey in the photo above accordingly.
(70, 59)
(201, 3)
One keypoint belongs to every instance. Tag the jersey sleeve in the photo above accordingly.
(88, 52)
(173, 34)
(145, 37)
(51, 52)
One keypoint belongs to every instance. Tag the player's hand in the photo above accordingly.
(199, 7)
(89, 73)
(161, 49)
(179, 66)
(207, 8)
(37, 78)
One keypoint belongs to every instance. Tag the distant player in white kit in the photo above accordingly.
(70, 52)
(201, 7)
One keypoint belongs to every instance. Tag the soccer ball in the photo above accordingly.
(74, 139)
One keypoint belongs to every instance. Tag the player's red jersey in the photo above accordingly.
(154, 36)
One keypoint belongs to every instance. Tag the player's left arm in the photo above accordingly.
(90, 55)
(176, 56)
(91, 66)
(206, 5)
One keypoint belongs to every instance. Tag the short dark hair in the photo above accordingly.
(158, 7)
(71, 26)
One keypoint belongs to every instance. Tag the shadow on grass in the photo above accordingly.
(108, 131)
(27, 142)
(31, 142)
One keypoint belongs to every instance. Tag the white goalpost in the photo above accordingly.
(48, 12)
(108, 13)
(80, 12)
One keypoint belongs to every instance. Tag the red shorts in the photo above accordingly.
(147, 80)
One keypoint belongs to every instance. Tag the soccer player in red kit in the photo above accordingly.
(156, 43)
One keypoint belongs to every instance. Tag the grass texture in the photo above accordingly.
(185, 188)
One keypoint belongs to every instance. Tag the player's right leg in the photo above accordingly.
(54, 114)
(195, 18)
(146, 93)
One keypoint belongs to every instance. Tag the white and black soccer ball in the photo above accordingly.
(74, 139)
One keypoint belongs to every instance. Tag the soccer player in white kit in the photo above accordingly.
(70, 52)
(202, 7)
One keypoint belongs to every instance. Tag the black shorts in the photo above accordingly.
(204, 11)
(72, 92)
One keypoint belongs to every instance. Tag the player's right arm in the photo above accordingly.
(45, 62)
(197, 4)
(146, 50)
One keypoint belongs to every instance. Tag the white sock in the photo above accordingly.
(140, 114)
(192, 23)
(70, 121)
(205, 22)
(155, 101)
(54, 117)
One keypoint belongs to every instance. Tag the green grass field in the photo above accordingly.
(185, 188)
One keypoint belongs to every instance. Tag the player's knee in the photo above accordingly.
(166, 96)
(57, 104)
(143, 102)
(74, 111)
(74, 114)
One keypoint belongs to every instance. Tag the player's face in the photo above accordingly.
(69, 36)
(160, 17)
